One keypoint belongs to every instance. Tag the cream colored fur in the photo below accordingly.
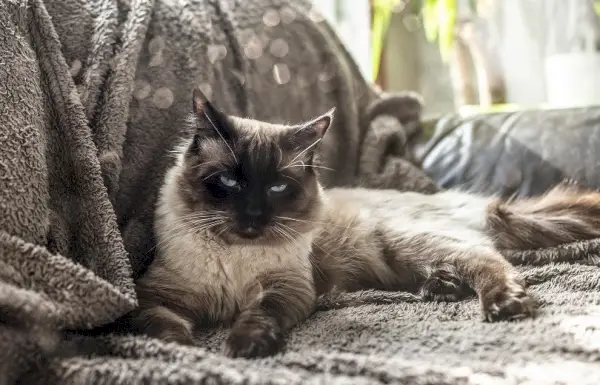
(451, 214)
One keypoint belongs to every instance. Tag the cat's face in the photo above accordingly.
(249, 181)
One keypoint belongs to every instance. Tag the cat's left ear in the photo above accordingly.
(306, 137)
(309, 133)
(319, 126)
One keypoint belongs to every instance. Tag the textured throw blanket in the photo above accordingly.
(93, 94)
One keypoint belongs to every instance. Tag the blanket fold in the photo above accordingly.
(93, 97)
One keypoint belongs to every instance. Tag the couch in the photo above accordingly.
(521, 153)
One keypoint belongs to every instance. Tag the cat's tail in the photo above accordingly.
(567, 213)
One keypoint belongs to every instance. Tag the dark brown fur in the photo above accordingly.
(567, 213)
(285, 299)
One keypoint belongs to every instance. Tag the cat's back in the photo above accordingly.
(449, 213)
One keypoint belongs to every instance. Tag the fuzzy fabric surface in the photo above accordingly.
(93, 97)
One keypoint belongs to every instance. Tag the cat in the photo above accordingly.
(248, 238)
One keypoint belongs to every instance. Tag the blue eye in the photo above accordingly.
(227, 181)
(277, 188)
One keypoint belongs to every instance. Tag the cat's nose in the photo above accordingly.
(254, 212)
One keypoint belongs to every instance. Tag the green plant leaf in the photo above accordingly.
(447, 20)
(429, 16)
(382, 14)
(439, 19)
(473, 6)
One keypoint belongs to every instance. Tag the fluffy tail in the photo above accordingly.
(567, 213)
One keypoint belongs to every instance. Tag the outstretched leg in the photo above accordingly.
(276, 302)
(501, 291)
(453, 270)
(439, 267)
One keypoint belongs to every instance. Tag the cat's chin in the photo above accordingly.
(252, 238)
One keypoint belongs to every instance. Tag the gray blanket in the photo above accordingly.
(93, 94)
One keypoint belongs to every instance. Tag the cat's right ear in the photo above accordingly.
(209, 122)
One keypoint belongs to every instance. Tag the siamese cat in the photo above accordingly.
(248, 238)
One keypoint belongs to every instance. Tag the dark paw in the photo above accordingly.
(506, 302)
(444, 286)
(253, 339)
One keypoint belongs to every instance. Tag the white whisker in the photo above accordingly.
(323, 223)
(280, 157)
(223, 230)
(200, 216)
(299, 163)
(207, 163)
(309, 251)
(304, 151)
(194, 222)
(303, 165)
(221, 135)
(295, 180)
(211, 175)
(182, 229)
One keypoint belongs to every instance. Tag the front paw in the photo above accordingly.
(507, 301)
(253, 338)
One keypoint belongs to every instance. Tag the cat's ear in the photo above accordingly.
(209, 122)
(319, 126)
(314, 130)
(306, 137)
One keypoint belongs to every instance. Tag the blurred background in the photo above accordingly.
(472, 56)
